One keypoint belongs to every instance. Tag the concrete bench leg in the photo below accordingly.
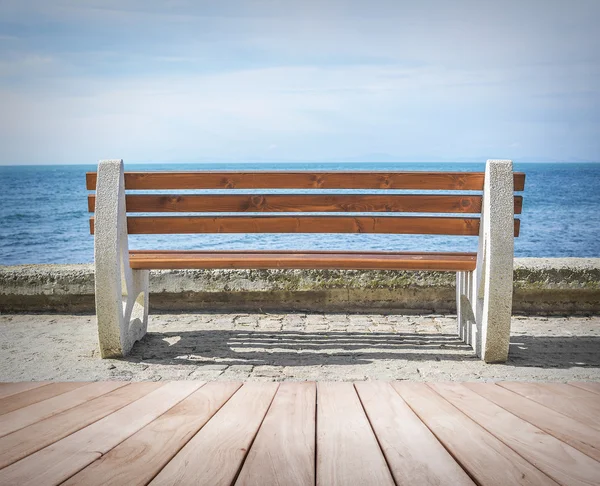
(121, 293)
(484, 297)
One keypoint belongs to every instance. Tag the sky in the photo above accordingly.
(310, 80)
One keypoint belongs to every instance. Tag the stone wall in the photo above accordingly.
(541, 285)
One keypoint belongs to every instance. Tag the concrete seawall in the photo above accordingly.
(541, 285)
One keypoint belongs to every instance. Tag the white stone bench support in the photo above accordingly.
(121, 293)
(484, 297)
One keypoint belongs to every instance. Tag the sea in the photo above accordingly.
(44, 216)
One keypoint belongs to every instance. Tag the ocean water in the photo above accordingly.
(44, 218)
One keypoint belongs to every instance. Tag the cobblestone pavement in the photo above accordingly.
(274, 347)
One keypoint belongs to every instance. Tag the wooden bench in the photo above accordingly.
(483, 278)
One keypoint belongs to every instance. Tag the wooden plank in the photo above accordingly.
(302, 224)
(563, 463)
(24, 442)
(358, 203)
(412, 452)
(593, 387)
(8, 389)
(141, 457)
(569, 400)
(284, 449)
(325, 260)
(61, 460)
(17, 419)
(347, 450)
(23, 399)
(486, 459)
(305, 180)
(565, 428)
(215, 454)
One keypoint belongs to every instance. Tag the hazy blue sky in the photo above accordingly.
(310, 80)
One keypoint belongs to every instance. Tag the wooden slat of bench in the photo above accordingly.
(301, 259)
(302, 224)
(412, 452)
(141, 457)
(488, 460)
(215, 454)
(305, 180)
(26, 441)
(284, 449)
(569, 430)
(234, 203)
(560, 461)
(347, 450)
(63, 459)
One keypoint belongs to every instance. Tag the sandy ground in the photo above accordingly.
(274, 347)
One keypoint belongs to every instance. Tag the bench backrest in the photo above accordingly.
(450, 208)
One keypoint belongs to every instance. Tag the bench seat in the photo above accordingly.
(347, 260)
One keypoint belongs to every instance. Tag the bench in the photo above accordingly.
(483, 278)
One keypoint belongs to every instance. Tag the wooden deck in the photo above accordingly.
(367, 433)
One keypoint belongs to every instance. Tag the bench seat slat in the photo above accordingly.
(306, 180)
(144, 259)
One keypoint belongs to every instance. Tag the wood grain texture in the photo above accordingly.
(593, 387)
(569, 430)
(359, 203)
(572, 401)
(347, 450)
(413, 454)
(61, 460)
(8, 389)
(138, 459)
(488, 460)
(24, 442)
(560, 461)
(25, 398)
(305, 180)
(302, 224)
(17, 419)
(215, 454)
(283, 452)
(325, 260)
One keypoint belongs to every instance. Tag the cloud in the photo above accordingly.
(184, 80)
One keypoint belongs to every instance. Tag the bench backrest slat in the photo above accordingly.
(306, 180)
(361, 203)
(303, 224)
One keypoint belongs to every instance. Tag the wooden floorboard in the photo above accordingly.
(216, 453)
(572, 401)
(35, 395)
(347, 449)
(488, 460)
(413, 453)
(284, 449)
(587, 385)
(24, 442)
(569, 430)
(138, 459)
(8, 389)
(299, 433)
(560, 461)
